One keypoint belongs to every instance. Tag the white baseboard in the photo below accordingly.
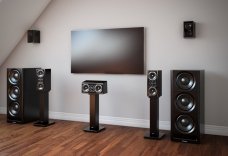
(131, 122)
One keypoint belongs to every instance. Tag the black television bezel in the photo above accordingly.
(142, 70)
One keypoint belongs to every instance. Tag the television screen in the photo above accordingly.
(110, 51)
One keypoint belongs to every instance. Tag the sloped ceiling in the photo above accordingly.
(16, 17)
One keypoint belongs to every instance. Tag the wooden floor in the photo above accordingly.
(67, 138)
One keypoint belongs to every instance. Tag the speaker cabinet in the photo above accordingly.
(154, 83)
(43, 87)
(33, 36)
(189, 29)
(22, 99)
(94, 87)
(187, 105)
(154, 91)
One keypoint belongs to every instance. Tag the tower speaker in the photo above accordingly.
(189, 29)
(154, 91)
(154, 83)
(22, 105)
(43, 86)
(187, 105)
(33, 36)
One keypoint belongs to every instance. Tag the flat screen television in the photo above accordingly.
(109, 51)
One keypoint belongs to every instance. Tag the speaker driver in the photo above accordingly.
(14, 76)
(152, 75)
(85, 87)
(14, 92)
(40, 86)
(40, 73)
(185, 124)
(185, 81)
(152, 91)
(14, 108)
(185, 102)
(98, 88)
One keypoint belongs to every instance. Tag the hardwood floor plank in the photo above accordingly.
(68, 138)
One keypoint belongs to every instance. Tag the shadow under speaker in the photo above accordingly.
(154, 83)
(187, 105)
(22, 99)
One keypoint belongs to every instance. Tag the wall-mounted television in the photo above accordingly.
(109, 51)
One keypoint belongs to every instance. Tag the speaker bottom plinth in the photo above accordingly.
(185, 140)
(44, 124)
(155, 136)
(93, 130)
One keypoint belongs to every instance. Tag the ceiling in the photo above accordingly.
(16, 17)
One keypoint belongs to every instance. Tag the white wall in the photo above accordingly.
(166, 49)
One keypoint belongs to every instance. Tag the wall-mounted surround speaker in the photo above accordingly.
(187, 105)
(33, 36)
(22, 99)
(189, 29)
(94, 87)
(154, 83)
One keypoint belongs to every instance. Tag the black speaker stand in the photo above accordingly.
(94, 115)
(154, 132)
(44, 114)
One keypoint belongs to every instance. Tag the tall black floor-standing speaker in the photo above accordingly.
(22, 99)
(154, 91)
(187, 105)
(43, 87)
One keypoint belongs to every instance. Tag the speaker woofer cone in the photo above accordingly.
(185, 102)
(152, 91)
(98, 88)
(152, 75)
(40, 73)
(185, 81)
(185, 124)
(14, 108)
(14, 93)
(14, 76)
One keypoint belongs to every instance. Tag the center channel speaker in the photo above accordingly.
(154, 83)
(94, 87)
(22, 99)
(187, 105)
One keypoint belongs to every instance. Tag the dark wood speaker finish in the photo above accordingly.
(187, 105)
(33, 36)
(154, 83)
(154, 91)
(43, 95)
(94, 115)
(22, 105)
